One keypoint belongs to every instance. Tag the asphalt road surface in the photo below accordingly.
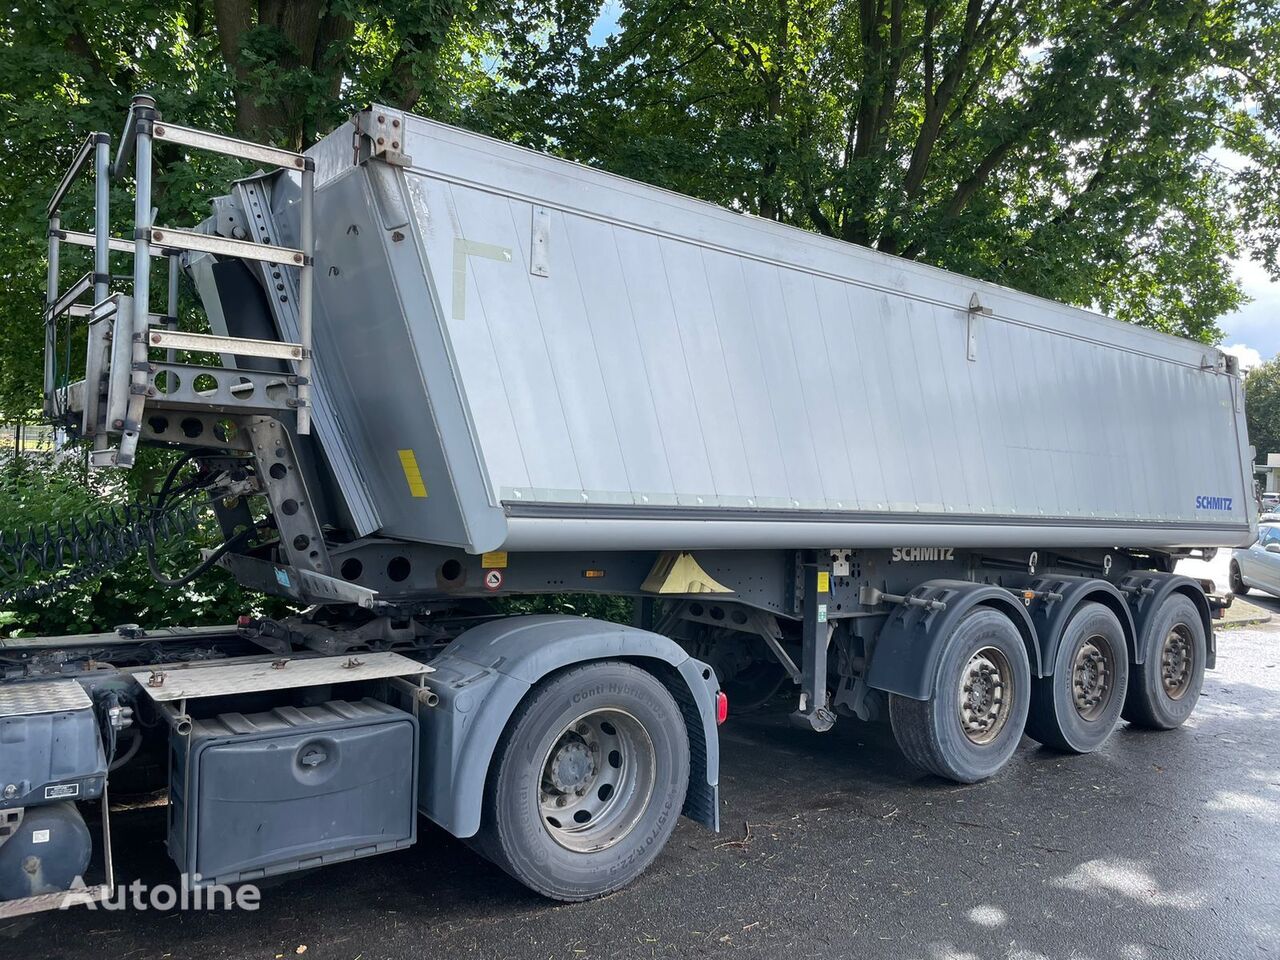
(1159, 846)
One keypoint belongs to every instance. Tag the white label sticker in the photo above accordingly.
(62, 791)
(39, 836)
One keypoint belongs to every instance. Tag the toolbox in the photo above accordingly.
(253, 795)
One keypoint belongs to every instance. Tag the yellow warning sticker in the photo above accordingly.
(497, 560)
(824, 582)
(412, 475)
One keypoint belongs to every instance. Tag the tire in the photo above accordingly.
(1076, 708)
(605, 726)
(1166, 686)
(932, 733)
(1236, 581)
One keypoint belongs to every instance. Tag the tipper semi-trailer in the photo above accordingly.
(434, 372)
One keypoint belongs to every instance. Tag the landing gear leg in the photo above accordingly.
(815, 708)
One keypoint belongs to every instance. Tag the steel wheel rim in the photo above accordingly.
(986, 695)
(597, 779)
(1177, 662)
(1093, 674)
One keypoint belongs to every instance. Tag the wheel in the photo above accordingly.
(587, 781)
(1236, 582)
(1166, 685)
(1076, 708)
(973, 723)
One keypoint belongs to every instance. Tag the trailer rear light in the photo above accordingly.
(722, 707)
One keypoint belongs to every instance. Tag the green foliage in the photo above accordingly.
(1262, 407)
(613, 609)
(1071, 148)
(270, 71)
(40, 490)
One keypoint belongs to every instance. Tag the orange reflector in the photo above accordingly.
(722, 707)
(1029, 594)
(593, 574)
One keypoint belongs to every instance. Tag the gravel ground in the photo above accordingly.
(1159, 846)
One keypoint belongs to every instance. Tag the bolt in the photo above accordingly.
(395, 123)
(381, 141)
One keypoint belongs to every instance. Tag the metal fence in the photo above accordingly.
(26, 439)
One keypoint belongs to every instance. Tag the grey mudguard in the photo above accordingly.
(906, 654)
(483, 675)
(1147, 590)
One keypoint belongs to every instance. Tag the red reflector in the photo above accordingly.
(722, 707)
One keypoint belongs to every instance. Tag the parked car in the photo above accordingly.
(1258, 565)
(1270, 500)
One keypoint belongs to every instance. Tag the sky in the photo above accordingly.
(1253, 332)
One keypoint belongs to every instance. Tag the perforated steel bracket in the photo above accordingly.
(382, 131)
(300, 533)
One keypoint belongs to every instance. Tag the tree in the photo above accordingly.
(1071, 148)
(280, 71)
(1262, 408)
(1065, 147)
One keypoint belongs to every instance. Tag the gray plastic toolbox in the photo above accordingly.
(293, 788)
(50, 749)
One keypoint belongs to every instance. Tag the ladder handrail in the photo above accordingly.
(133, 335)
(229, 146)
(73, 172)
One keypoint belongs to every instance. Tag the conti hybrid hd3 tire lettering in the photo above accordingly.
(587, 782)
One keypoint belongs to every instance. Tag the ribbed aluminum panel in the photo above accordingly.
(286, 673)
(51, 696)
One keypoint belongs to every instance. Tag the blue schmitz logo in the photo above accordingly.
(1213, 503)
